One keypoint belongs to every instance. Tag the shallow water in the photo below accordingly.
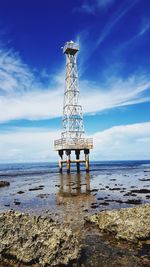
(40, 189)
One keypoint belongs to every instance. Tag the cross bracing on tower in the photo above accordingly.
(72, 135)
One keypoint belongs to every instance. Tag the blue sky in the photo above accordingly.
(114, 68)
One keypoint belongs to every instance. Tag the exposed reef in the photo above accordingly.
(36, 240)
(130, 224)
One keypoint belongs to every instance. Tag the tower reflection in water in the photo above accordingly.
(74, 196)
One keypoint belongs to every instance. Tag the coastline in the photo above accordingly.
(70, 199)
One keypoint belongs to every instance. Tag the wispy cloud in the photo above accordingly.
(23, 97)
(105, 3)
(114, 20)
(116, 92)
(86, 41)
(142, 30)
(14, 75)
(116, 143)
(90, 7)
(144, 27)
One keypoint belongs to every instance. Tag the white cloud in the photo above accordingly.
(22, 96)
(116, 93)
(41, 104)
(37, 104)
(117, 143)
(28, 145)
(125, 142)
(14, 75)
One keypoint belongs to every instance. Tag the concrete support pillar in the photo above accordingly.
(86, 152)
(87, 178)
(78, 188)
(60, 152)
(77, 152)
(68, 153)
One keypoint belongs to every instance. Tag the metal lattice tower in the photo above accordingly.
(72, 136)
(72, 112)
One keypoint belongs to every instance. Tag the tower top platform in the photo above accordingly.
(70, 48)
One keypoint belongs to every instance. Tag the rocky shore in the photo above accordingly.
(130, 224)
(36, 240)
(59, 236)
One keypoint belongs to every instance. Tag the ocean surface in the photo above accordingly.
(39, 188)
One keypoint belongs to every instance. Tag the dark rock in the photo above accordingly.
(35, 188)
(119, 201)
(17, 202)
(94, 203)
(115, 189)
(141, 191)
(144, 179)
(128, 194)
(133, 201)
(94, 206)
(43, 195)
(4, 183)
(94, 190)
(57, 185)
(20, 192)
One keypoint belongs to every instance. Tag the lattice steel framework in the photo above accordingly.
(72, 112)
(72, 136)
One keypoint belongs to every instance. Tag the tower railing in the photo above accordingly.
(73, 144)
